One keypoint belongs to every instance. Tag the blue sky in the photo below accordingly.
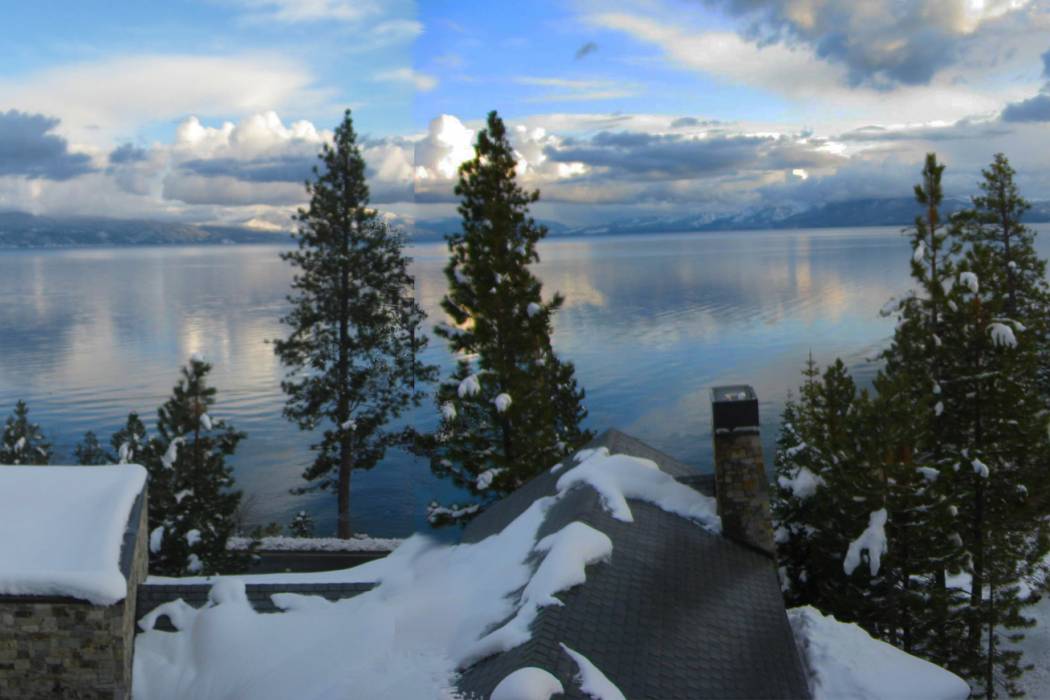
(213, 110)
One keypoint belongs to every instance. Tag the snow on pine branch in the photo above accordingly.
(172, 453)
(873, 539)
(471, 386)
(803, 484)
(969, 280)
(503, 402)
(1002, 335)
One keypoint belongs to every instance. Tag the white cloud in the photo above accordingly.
(820, 91)
(420, 81)
(299, 11)
(101, 101)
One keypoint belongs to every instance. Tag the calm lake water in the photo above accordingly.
(87, 335)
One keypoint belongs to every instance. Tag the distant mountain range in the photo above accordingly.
(856, 212)
(21, 230)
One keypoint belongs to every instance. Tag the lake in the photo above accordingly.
(651, 322)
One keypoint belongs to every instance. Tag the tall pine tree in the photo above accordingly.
(192, 499)
(512, 407)
(354, 342)
(22, 442)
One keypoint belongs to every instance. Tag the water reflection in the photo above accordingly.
(651, 323)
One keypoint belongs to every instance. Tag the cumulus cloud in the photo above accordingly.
(30, 149)
(881, 43)
(101, 101)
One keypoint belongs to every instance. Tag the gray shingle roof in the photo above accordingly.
(678, 612)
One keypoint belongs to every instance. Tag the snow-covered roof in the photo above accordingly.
(605, 577)
(62, 530)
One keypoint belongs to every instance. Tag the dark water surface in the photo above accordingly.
(651, 322)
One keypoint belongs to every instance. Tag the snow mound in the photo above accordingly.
(529, 683)
(592, 681)
(843, 661)
(619, 477)
(70, 523)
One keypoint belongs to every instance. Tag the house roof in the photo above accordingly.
(678, 611)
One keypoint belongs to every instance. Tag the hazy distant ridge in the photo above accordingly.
(21, 230)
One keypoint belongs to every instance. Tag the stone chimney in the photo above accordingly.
(741, 487)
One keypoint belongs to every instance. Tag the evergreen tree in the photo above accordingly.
(811, 503)
(353, 347)
(302, 525)
(512, 408)
(192, 509)
(22, 442)
(91, 452)
(133, 444)
(915, 467)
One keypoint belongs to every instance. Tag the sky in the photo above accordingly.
(213, 111)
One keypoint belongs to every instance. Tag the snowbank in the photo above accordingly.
(64, 528)
(843, 661)
(435, 609)
(316, 544)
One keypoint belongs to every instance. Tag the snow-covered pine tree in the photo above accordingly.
(997, 436)
(354, 342)
(909, 455)
(512, 408)
(90, 451)
(192, 514)
(22, 442)
(1014, 271)
(302, 525)
(811, 503)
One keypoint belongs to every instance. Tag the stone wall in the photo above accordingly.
(65, 648)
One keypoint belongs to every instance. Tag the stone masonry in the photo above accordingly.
(742, 490)
(53, 647)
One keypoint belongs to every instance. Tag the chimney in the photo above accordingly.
(741, 487)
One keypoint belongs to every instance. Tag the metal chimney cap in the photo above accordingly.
(733, 392)
(734, 408)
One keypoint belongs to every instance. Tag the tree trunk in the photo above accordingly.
(345, 468)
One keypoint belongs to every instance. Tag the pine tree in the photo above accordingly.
(353, 347)
(811, 504)
(998, 433)
(192, 509)
(915, 465)
(91, 452)
(22, 442)
(302, 525)
(512, 408)
(959, 375)
(133, 444)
